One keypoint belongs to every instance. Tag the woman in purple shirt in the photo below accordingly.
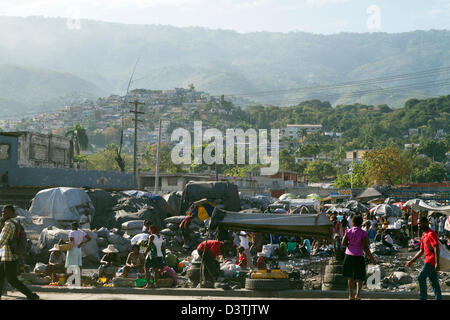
(357, 243)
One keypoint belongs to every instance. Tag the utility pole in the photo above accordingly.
(215, 164)
(136, 113)
(157, 159)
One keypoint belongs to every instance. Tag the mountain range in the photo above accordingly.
(44, 64)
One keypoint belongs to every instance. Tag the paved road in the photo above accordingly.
(87, 296)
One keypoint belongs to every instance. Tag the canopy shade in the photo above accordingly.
(289, 224)
(370, 193)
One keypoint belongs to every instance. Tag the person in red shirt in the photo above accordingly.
(429, 244)
(209, 250)
(242, 261)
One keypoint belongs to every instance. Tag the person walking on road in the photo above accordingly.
(357, 242)
(8, 264)
(429, 245)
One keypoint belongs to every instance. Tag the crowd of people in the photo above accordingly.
(359, 230)
(352, 232)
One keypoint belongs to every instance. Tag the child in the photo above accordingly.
(242, 261)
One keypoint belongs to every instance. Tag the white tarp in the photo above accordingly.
(418, 204)
(61, 203)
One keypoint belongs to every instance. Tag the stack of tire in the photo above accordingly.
(333, 278)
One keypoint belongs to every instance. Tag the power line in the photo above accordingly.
(372, 81)
(438, 83)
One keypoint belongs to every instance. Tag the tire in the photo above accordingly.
(335, 278)
(267, 284)
(334, 269)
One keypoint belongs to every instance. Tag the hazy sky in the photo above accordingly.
(318, 16)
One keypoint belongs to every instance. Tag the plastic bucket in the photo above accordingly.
(140, 283)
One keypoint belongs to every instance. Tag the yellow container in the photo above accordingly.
(269, 274)
(103, 280)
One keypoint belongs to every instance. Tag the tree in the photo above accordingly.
(79, 137)
(105, 160)
(287, 161)
(387, 165)
(317, 170)
(357, 179)
(435, 172)
(434, 149)
(165, 161)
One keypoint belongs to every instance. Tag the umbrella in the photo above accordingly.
(386, 210)
(287, 196)
(139, 237)
(338, 210)
(203, 209)
(355, 206)
(401, 205)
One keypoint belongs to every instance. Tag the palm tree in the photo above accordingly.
(79, 137)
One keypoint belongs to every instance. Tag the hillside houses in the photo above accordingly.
(105, 112)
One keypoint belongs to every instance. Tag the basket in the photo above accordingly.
(66, 246)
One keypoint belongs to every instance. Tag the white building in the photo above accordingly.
(292, 130)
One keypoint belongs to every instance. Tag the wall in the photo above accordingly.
(19, 176)
(58, 177)
(40, 150)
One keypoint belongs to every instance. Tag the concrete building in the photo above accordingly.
(355, 155)
(36, 160)
(170, 182)
(40, 150)
(292, 130)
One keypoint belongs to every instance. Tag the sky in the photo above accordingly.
(316, 16)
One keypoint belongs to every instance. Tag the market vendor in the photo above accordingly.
(135, 262)
(55, 263)
(209, 250)
(110, 263)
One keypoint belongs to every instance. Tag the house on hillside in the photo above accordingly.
(293, 130)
